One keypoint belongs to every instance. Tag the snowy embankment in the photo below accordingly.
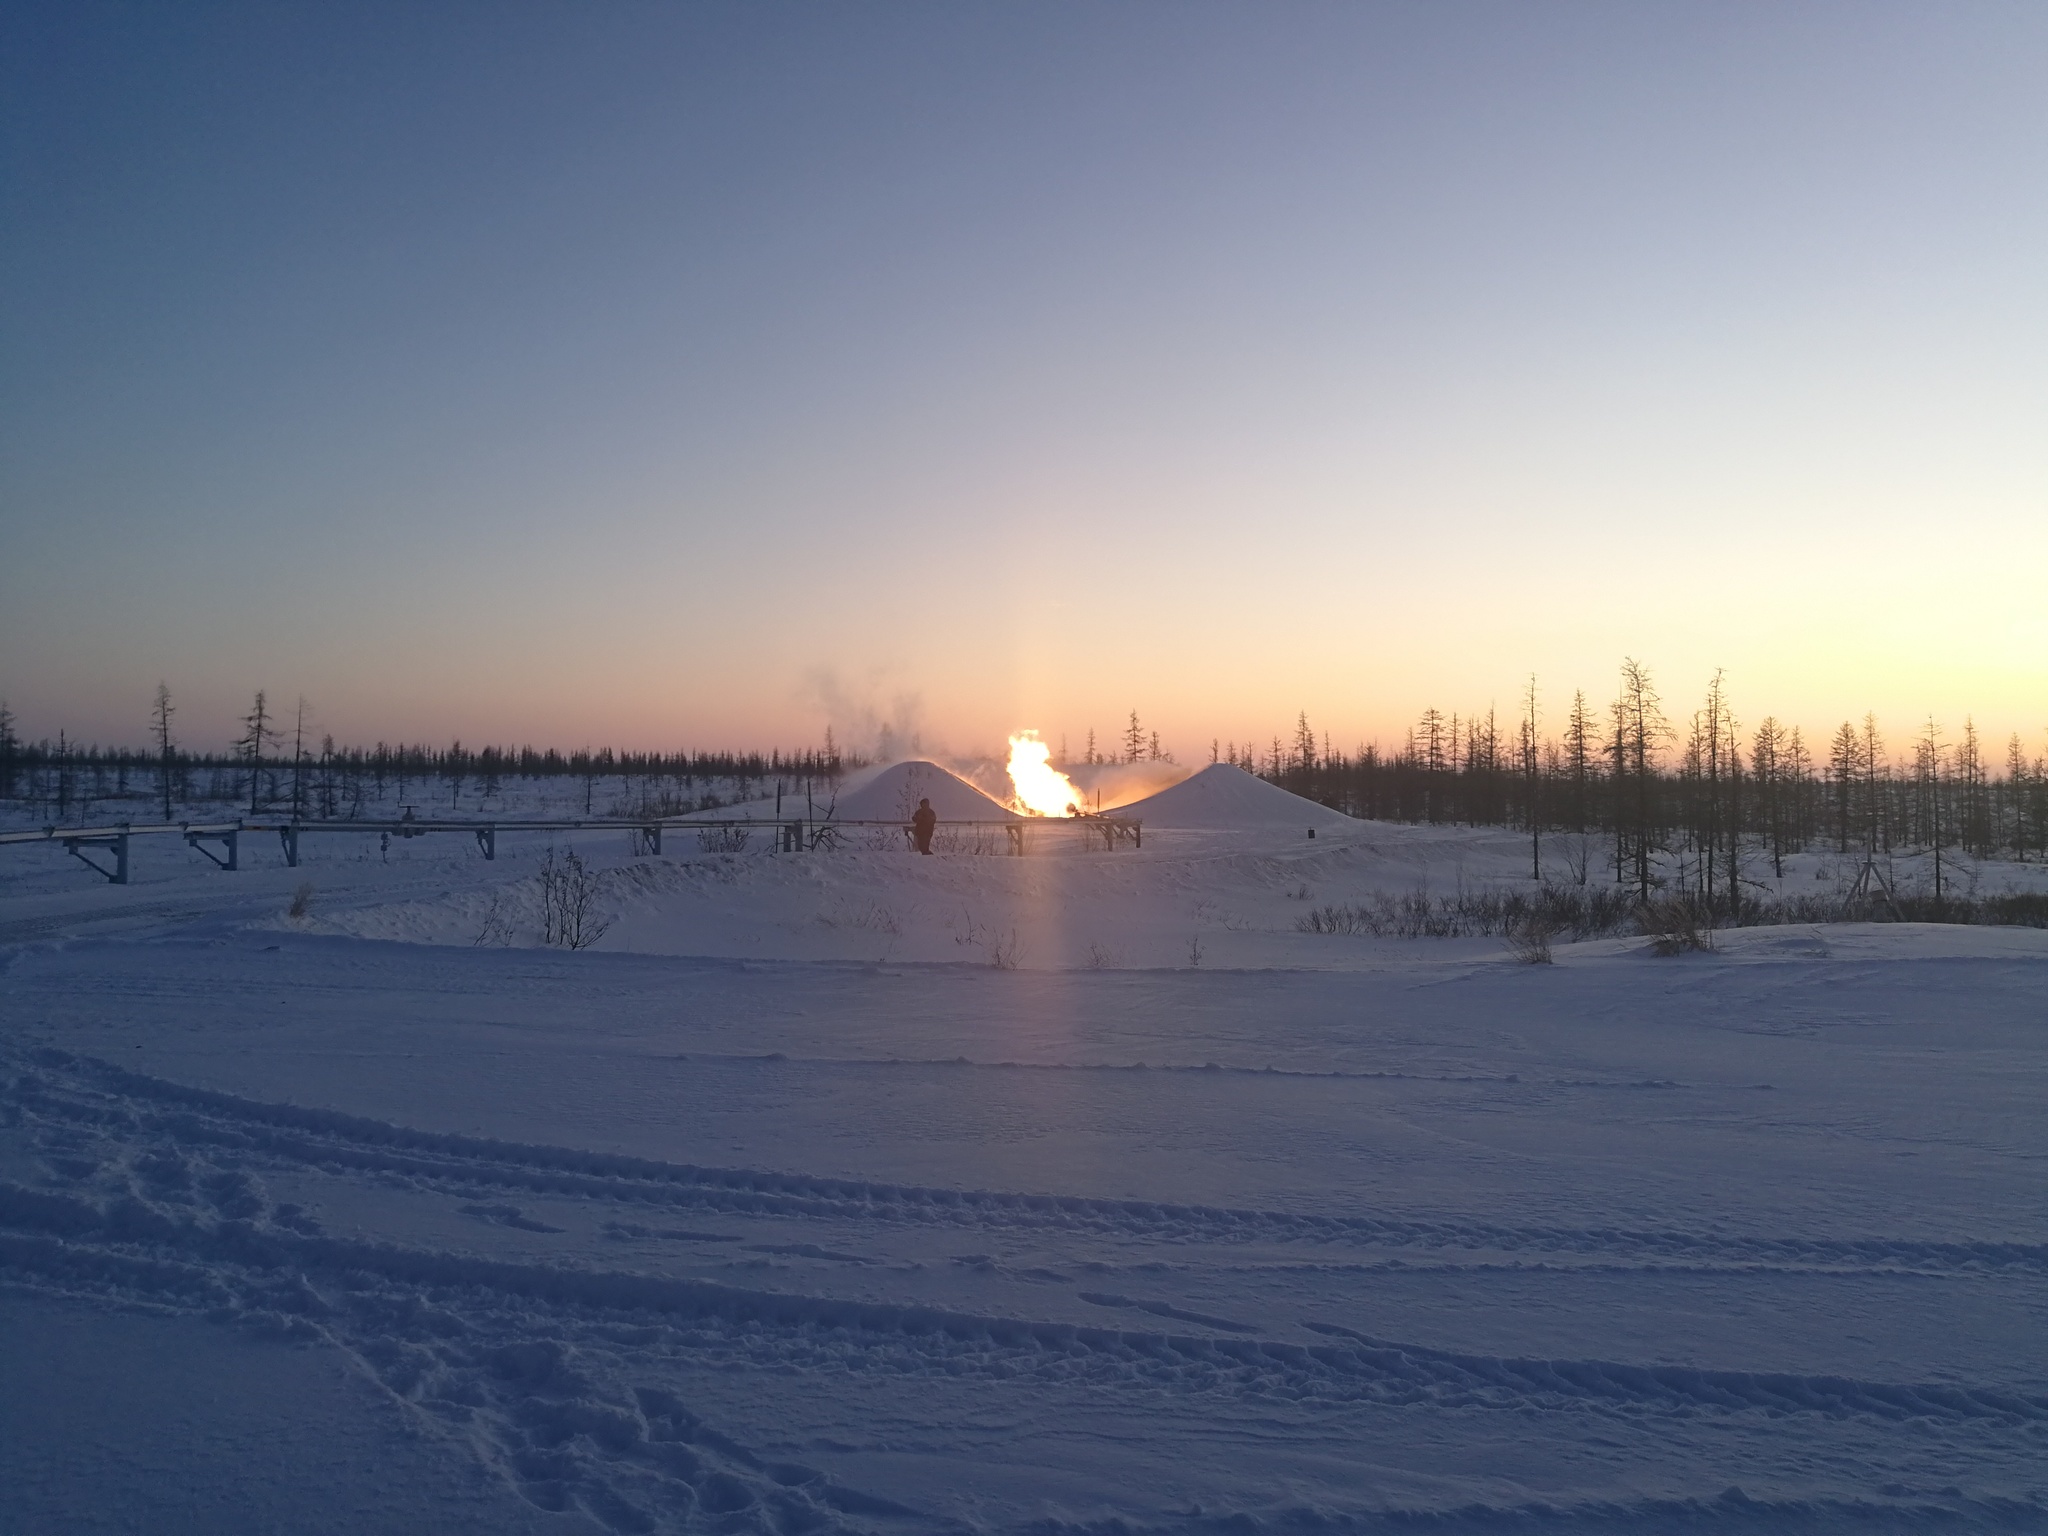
(757, 1218)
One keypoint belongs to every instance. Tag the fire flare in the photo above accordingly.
(1041, 788)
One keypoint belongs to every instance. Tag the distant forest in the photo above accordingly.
(1697, 789)
(276, 766)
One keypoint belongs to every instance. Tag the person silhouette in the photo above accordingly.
(921, 824)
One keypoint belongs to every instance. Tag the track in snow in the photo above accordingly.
(561, 1377)
(87, 1091)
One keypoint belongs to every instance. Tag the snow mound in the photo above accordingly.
(892, 795)
(1221, 797)
(1110, 786)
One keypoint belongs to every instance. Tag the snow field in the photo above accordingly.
(763, 1217)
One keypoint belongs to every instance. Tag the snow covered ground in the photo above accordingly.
(1076, 1192)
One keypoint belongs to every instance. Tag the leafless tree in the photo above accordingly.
(1639, 734)
(568, 902)
(1532, 780)
(257, 734)
(166, 747)
(1578, 758)
(1766, 764)
(1929, 755)
(1874, 769)
(2015, 777)
(1845, 771)
(1304, 744)
(10, 746)
(1718, 765)
(299, 761)
(1578, 857)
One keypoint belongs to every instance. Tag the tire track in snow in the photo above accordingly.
(519, 1371)
(96, 1092)
(1214, 1069)
(533, 1371)
(1732, 1513)
(544, 1372)
(128, 1244)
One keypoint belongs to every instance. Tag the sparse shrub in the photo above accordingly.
(2014, 911)
(1591, 912)
(1195, 952)
(649, 803)
(1102, 958)
(979, 842)
(1584, 912)
(568, 902)
(1005, 950)
(724, 839)
(496, 928)
(1676, 925)
(870, 914)
(1351, 920)
(302, 902)
(2024, 910)
(1529, 940)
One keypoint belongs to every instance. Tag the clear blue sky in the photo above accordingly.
(654, 374)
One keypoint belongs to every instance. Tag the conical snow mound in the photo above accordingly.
(1223, 797)
(892, 795)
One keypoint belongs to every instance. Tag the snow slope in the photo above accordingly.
(1224, 797)
(682, 1235)
(892, 795)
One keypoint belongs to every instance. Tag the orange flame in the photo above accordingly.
(1041, 788)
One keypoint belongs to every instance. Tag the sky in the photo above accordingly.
(704, 375)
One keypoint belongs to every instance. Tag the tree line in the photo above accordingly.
(276, 764)
(1699, 799)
